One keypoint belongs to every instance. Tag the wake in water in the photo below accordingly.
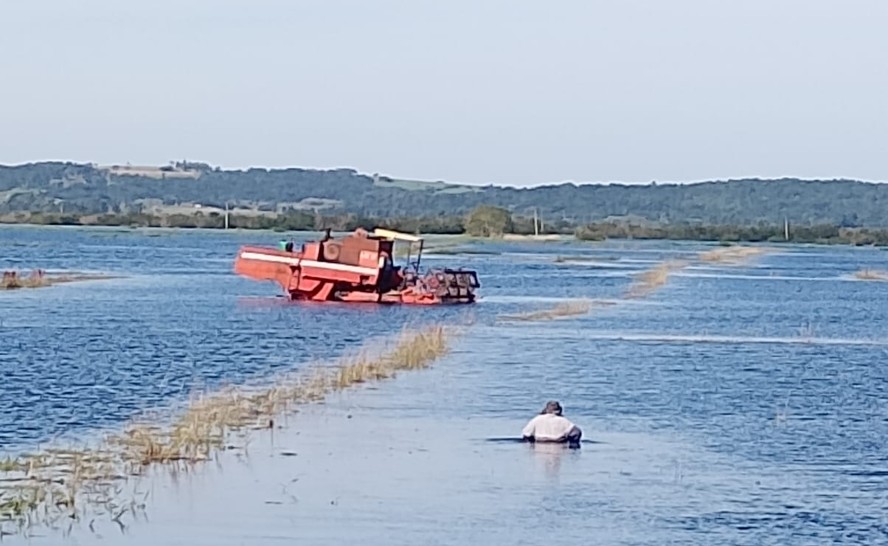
(515, 440)
(703, 338)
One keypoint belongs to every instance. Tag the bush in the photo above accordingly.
(487, 221)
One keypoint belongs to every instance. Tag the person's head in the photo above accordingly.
(552, 406)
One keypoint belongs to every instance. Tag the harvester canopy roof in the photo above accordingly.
(390, 234)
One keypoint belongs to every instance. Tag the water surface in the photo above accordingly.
(741, 405)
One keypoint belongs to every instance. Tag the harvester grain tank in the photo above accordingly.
(357, 268)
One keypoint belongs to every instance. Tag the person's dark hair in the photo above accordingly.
(552, 406)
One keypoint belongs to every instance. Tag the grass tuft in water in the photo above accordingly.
(871, 275)
(732, 255)
(648, 281)
(562, 310)
(10, 465)
(13, 280)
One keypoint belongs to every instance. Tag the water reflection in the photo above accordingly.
(549, 457)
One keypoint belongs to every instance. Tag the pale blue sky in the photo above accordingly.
(504, 92)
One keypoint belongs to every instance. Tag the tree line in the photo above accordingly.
(482, 221)
(85, 189)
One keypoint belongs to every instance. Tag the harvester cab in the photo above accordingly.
(449, 285)
(415, 243)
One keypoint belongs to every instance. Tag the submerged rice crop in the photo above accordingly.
(66, 485)
(648, 281)
(559, 259)
(871, 275)
(732, 255)
(562, 310)
(12, 280)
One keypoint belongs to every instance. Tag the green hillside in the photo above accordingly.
(70, 188)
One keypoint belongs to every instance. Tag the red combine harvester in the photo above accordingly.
(356, 268)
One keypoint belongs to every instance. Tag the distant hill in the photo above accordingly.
(93, 189)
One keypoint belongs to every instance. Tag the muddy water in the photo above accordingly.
(741, 405)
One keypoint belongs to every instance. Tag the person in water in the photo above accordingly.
(551, 426)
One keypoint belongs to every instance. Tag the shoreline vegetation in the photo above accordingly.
(58, 487)
(483, 221)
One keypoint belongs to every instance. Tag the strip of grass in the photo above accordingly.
(733, 255)
(649, 281)
(562, 310)
(65, 485)
(872, 275)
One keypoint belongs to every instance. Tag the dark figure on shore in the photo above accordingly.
(552, 427)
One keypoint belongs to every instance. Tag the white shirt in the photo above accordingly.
(547, 426)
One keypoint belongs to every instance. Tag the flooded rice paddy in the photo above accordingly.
(735, 404)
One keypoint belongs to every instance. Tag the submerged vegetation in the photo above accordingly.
(732, 255)
(38, 278)
(648, 281)
(560, 259)
(872, 275)
(644, 283)
(206, 424)
(561, 310)
(12, 280)
(66, 485)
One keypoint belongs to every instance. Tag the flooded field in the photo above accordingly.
(733, 403)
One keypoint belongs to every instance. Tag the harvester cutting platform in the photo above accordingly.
(356, 268)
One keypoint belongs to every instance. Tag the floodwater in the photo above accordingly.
(735, 405)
